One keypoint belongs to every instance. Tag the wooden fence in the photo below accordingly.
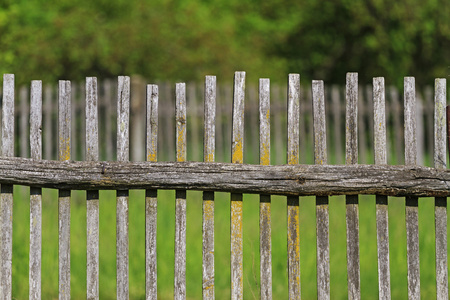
(335, 115)
(291, 180)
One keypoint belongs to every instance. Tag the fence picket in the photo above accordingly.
(384, 285)
(351, 201)
(64, 121)
(6, 196)
(440, 162)
(322, 208)
(23, 95)
(293, 237)
(151, 200)
(208, 197)
(237, 156)
(265, 232)
(123, 154)
(35, 193)
(412, 203)
(180, 202)
(92, 197)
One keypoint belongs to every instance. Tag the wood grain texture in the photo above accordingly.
(295, 180)
(322, 208)
(384, 281)
(208, 197)
(35, 254)
(293, 236)
(352, 215)
(440, 212)
(180, 202)
(6, 196)
(265, 225)
(237, 157)
(123, 153)
(92, 204)
(151, 200)
(64, 125)
(412, 203)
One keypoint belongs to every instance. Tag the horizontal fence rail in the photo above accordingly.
(373, 126)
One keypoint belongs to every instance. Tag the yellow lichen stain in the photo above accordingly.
(265, 155)
(151, 157)
(238, 153)
(208, 210)
(209, 157)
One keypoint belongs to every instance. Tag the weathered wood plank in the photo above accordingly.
(440, 162)
(64, 121)
(295, 180)
(384, 281)
(265, 227)
(237, 157)
(151, 200)
(293, 236)
(180, 202)
(412, 203)
(123, 154)
(208, 197)
(352, 217)
(322, 208)
(6, 196)
(35, 254)
(92, 203)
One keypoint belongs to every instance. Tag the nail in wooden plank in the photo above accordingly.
(412, 203)
(180, 202)
(92, 204)
(123, 154)
(293, 237)
(322, 208)
(352, 217)
(384, 281)
(208, 197)
(64, 122)
(237, 150)
(440, 211)
(151, 200)
(35, 254)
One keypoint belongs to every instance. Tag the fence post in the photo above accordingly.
(92, 197)
(384, 285)
(123, 154)
(151, 201)
(293, 236)
(351, 201)
(208, 197)
(322, 208)
(440, 212)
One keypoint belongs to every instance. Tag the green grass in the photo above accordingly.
(165, 241)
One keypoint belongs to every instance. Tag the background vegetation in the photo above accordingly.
(188, 39)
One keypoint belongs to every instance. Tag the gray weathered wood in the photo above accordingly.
(208, 197)
(352, 218)
(440, 162)
(265, 227)
(92, 204)
(64, 121)
(293, 237)
(412, 203)
(23, 130)
(123, 154)
(180, 202)
(384, 284)
(35, 193)
(295, 180)
(237, 157)
(151, 200)
(6, 196)
(322, 208)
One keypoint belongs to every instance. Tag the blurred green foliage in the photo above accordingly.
(188, 39)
